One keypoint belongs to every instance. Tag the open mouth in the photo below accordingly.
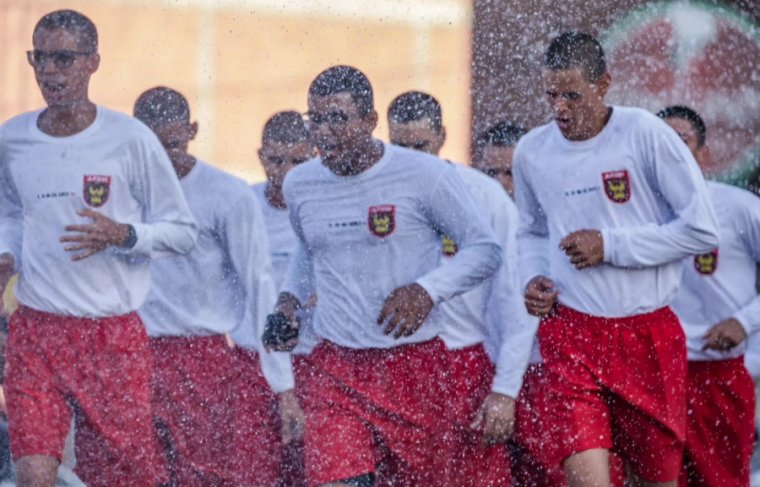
(52, 87)
(563, 123)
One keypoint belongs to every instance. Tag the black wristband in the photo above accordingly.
(131, 238)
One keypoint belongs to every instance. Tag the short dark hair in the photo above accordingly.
(345, 79)
(577, 50)
(501, 134)
(416, 105)
(688, 114)
(286, 127)
(74, 22)
(161, 105)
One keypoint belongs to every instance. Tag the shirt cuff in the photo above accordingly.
(143, 243)
(16, 257)
(744, 317)
(607, 244)
(277, 370)
(506, 385)
(430, 289)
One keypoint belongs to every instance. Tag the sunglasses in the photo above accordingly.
(281, 161)
(333, 119)
(61, 59)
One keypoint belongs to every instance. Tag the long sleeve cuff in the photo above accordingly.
(278, 370)
(749, 316)
(507, 383)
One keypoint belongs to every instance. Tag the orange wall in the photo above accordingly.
(240, 61)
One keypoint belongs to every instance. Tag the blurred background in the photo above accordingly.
(239, 61)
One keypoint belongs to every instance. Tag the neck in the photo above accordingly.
(183, 166)
(62, 121)
(604, 116)
(359, 159)
(274, 196)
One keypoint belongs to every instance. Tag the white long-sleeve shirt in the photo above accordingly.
(365, 235)
(282, 246)
(225, 284)
(720, 284)
(117, 167)
(639, 185)
(752, 356)
(493, 313)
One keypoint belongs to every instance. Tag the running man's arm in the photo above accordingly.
(245, 238)
(749, 215)
(168, 227)
(452, 210)
(533, 231)
(11, 213)
(506, 309)
(694, 229)
(299, 279)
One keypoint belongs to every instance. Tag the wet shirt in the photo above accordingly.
(639, 185)
(117, 167)
(225, 284)
(282, 246)
(720, 284)
(752, 356)
(365, 235)
(493, 313)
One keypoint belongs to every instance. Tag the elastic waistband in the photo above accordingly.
(44, 317)
(435, 343)
(727, 365)
(571, 314)
(188, 340)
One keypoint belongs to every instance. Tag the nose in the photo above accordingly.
(46, 65)
(559, 104)
(322, 131)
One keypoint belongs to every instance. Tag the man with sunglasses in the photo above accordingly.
(217, 414)
(492, 315)
(367, 215)
(87, 198)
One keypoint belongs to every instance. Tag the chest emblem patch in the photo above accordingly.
(706, 264)
(617, 186)
(96, 190)
(381, 220)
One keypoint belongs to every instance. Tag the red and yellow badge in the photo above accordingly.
(617, 186)
(382, 220)
(96, 189)
(449, 247)
(706, 263)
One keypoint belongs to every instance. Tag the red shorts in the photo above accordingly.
(617, 382)
(292, 471)
(721, 424)
(391, 408)
(469, 378)
(98, 370)
(257, 443)
(536, 459)
(197, 384)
